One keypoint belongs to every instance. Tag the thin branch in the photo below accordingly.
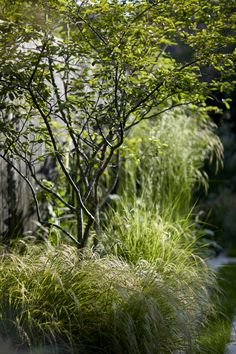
(36, 201)
(33, 175)
(46, 223)
(142, 13)
(65, 120)
(57, 153)
(105, 163)
(37, 63)
(89, 42)
(49, 190)
(102, 134)
(188, 64)
(145, 99)
(150, 94)
(113, 185)
(92, 29)
(29, 184)
(150, 108)
(116, 90)
(158, 113)
(19, 133)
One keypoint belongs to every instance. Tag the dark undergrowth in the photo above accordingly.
(215, 336)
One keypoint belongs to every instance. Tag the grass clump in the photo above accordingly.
(165, 159)
(171, 249)
(87, 304)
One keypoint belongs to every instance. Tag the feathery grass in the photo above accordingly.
(72, 303)
(164, 160)
(152, 221)
(170, 247)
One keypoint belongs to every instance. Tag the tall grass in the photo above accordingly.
(137, 234)
(153, 219)
(165, 160)
(87, 304)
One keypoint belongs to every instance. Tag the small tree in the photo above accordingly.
(77, 76)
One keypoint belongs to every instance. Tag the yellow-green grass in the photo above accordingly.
(86, 304)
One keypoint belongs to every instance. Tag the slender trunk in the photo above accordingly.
(97, 227)
(86, 233)
(79, 224)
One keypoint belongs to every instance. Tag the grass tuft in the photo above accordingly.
(56, 297)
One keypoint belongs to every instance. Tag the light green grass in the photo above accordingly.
(87, 304)
(138, 234)
(165, 159)
(152, 220)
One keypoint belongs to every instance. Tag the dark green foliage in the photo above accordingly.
(219, 205)
(216, 334)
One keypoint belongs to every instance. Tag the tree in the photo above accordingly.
(77, 76)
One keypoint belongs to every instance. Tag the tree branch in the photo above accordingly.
(28, 183)
(57, 153)
(158, 113)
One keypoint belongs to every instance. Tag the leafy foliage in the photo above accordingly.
(77, 76)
